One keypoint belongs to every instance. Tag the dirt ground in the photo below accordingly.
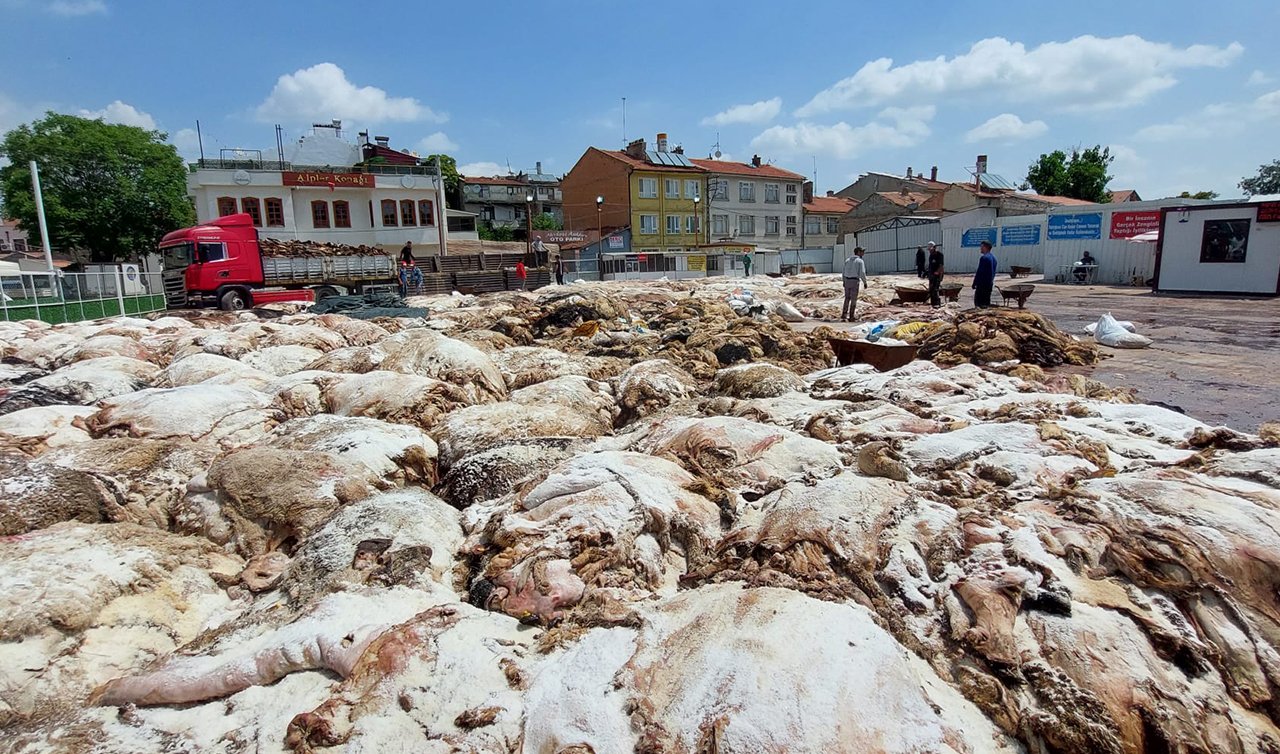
(1214, 358)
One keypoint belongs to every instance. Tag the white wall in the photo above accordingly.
(1182, 270)
(758, 209)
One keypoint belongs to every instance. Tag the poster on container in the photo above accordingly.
(973, 237)
(1071, 227)
(614, 242)
(696, 263)
(1130, 224)
(1020, 235)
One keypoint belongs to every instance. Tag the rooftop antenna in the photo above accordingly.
(716, 154)
(815, 171)
(624, 120)
(200, 140)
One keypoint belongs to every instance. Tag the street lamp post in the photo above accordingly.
(599, 238)
(697, 229)
(528, 226)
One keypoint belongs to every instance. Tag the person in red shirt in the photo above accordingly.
(521, 274)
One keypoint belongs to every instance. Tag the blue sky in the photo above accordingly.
(1188, 99)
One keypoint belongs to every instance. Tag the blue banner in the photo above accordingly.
(1020, 235)
(1070, 227)
(973, 237)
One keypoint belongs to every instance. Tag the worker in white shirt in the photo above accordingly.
(855, 274)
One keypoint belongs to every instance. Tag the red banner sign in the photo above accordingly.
(1269, 212)
(327, 180)
(1130, 224)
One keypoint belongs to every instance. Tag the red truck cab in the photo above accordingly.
(218, 264)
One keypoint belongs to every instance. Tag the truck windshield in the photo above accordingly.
(178, 256)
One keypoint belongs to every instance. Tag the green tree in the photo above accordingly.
(1198, 195)
(110, 190)
(487, 231)
(452, 181)
(1267, 181)
(547, 221)
(1081, 175)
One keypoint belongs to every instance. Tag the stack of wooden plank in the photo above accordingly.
(277, 247)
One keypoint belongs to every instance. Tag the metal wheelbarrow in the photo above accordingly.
(1019, 292)
(882, 357)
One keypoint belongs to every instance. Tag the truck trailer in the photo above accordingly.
(227, 264)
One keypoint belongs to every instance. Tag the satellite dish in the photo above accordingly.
(718, 153)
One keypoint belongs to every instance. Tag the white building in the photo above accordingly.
(753, 203)
(326, 191)
(1220, 248)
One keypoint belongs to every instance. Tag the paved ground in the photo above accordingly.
(1217, 359)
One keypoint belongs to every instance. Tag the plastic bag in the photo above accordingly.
(1093, 326)
(789, 313)
(1110, 332)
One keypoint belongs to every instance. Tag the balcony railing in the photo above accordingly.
(274, 165)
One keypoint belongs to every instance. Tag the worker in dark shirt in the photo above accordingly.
(406, 253)
(985, 278)
(920, 261)
(935, 270)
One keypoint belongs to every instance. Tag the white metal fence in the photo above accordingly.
(56, 297)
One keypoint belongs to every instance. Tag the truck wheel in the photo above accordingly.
(233, 301)
(324, 292)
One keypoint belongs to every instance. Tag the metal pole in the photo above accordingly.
(44, 227)
(444, 211)
(119, 276)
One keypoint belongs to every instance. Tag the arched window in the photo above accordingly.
(275, 213)
(389, 218)
(426, 212)
(226, 206)
(341, 214)
(319, 214)
(407, 215)
(253, 208)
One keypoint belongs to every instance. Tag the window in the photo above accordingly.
(319, 214)
(791, 193)
(1225, 241)
(648, 188)
(389, 219)
(833, 225)
(692, 224)
(427, 212)
(673, 188)
(771, 193)
(746, 191)
(720, 225)
(812, 226)
(691, 189)
(253, 208)
(771, 225)
(211, 252)
(275, 213)
(341, 214)
(673, 224)
(791, 225)
(746, 225)
(719, 189)
(649, 224)
(226, 206)
(408, 216)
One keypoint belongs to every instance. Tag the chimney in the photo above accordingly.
(662, 142)
(538, 169)
(755, 161)
(362, 138)
(337, 126)
(903, 191)
(636, 149)
(808, 191)
(830, 192)
(933, 173)
(383, 141)
(908, 174)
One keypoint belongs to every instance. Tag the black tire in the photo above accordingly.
(233, 301)
(324, 292)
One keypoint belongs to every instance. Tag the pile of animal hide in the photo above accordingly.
(992, 336)
(619, 517)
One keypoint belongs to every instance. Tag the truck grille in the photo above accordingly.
(175, 292)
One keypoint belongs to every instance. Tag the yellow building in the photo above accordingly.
(656, 193)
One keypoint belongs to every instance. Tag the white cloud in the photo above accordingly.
(1217, 120)
(323, 91)
(757, 112)
(893, 127)
(186, 141)
(77, 7)
(1007, 127)
(1258, 78)
(122, 113)
(436, 143)
(1084, 73)
(482, 169)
